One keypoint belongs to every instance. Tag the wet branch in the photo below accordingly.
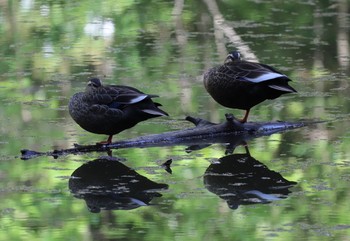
(203, 134)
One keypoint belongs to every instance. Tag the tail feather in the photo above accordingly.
(156, 112)
(153, 96)
(157, 104)
(284, 88)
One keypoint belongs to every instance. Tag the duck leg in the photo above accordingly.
(245, 118)
(109, 141)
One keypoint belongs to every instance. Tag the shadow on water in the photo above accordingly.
(107, 184)
(240, 179)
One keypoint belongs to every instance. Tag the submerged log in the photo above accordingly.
(203, 134)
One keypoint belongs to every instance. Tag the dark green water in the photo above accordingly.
(49, 49)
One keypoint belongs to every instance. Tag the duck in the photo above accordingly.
(111, 109)
(241, 84)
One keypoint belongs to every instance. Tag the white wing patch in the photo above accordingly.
(137, 99)
(264, 77)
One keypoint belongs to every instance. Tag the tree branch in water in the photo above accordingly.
(203, 134)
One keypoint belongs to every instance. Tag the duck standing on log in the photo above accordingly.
(241, 84)
(110, 109)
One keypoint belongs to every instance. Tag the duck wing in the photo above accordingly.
(253, 72)
(117, 96)
(113, 98)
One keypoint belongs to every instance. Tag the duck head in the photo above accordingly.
(93, 84)
(234, 56)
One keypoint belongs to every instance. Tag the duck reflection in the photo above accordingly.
(240, 179)
(107, 184)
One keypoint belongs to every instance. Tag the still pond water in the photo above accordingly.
(289, 186)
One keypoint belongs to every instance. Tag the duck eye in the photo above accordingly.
(91, 84)
(94, 82)
(235, 55)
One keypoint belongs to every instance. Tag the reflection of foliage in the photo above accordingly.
(52, 37)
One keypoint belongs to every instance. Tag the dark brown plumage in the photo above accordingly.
(110, 109)
(241, 84)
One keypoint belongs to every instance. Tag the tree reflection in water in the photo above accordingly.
(240, 179)
(107, 184)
